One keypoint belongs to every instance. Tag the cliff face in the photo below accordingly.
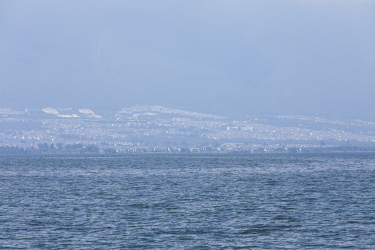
(232, 59)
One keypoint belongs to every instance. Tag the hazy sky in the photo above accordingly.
(228, 57)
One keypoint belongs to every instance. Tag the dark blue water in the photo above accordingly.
(188, 201)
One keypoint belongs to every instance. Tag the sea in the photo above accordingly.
(188, 201)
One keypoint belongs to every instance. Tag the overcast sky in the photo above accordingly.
(290, 57)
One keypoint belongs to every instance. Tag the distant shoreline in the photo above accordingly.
(186, 151)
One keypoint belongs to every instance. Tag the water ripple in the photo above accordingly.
(188, 201)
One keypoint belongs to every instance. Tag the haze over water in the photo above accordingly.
(188, 201)
(283, 61)
(233, 58)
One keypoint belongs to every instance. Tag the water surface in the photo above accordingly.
(188, 201)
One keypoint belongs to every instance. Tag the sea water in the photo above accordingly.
(188, 201)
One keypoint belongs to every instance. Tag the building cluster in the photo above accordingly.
(159, 129)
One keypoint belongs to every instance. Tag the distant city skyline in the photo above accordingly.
(162, 129)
